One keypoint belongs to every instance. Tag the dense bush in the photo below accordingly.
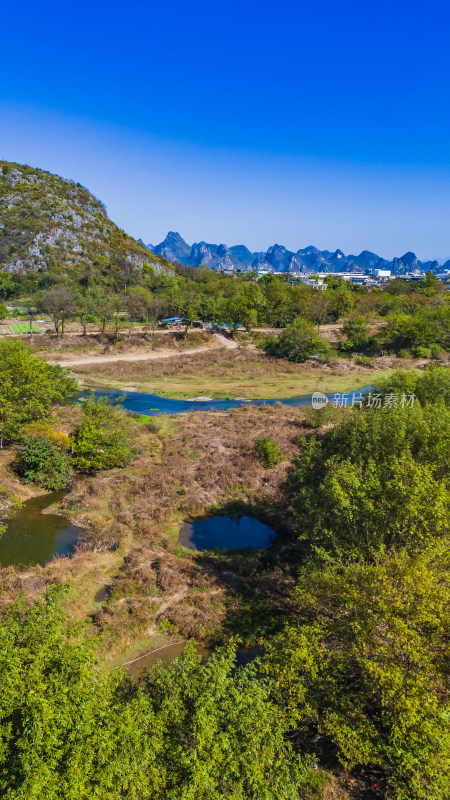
(362, 669)
(102, 439)
(315, 418)
(356, 329)
(297, 342)
(42, 462)
(45, 430)
(268, 450)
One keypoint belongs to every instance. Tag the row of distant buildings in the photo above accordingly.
(375, 278)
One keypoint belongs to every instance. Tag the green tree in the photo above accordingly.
(317, 306)
(6, 285)
(135, 305)
(102, 439)
(356, 329)
(84, 308)
(378, 480)
(104, 310)
(430, 386)
(277, 296)
(58, 302)
(428, 326)
(30, 305)
(117, 307)
(28, 388)
(297, 342)
(342, 302)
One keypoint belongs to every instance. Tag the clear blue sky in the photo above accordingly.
(320, 123)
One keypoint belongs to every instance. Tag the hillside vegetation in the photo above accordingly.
(52, 228)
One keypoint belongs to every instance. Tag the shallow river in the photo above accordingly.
(153, 404)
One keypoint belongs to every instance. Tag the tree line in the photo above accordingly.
(414, 315)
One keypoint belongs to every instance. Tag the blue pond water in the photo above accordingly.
(152, 404)
(230, 533)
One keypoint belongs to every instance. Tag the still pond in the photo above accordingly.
(32, 537)
(227, 533)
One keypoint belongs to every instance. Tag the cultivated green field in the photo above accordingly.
(24, 327)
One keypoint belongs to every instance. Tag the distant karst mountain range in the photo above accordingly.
(278, 259)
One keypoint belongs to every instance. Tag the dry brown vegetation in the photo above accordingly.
(207, 463)
(131, 577)
(97, 344)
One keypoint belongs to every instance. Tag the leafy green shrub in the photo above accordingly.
(425, 327)
(364, 667)
(364, 361)
(102, 439)
(421, 352)
(299, 341)
(315, 418)
(268, 450)
(377, 481)
(42, 462)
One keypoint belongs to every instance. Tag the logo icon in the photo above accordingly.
(319, 400)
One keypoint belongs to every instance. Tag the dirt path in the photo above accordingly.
(222, 340)
(228, 343)
(173, 599)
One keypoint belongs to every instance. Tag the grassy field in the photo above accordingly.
(229, 374)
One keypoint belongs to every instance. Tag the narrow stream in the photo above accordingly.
(167, 653)
(153, 404)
